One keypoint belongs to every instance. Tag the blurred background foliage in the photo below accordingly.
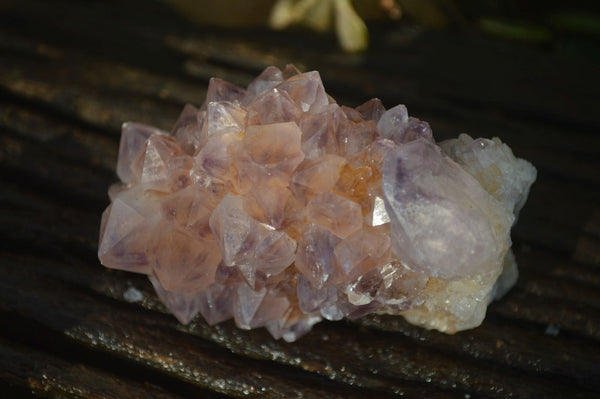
(561, 25)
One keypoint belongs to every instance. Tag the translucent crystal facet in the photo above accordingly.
(133, 142)
(276, 207)
(433, 203)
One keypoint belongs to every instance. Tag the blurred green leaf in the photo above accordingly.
(526, 32)
(350, 28)
(576, 22)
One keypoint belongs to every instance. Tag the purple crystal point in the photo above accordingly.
(267, 80)
(220, 90)
(273, 106)
(188, 129)
(307, 90)
(133, 143)
(393, 123)
(122, 238)
(372, 110)
(224, 117)
(185, 306)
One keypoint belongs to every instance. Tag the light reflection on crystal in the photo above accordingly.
(379, 215)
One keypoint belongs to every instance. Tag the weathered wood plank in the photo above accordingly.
(49, 376)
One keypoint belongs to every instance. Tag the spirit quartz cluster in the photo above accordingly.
(277, 207)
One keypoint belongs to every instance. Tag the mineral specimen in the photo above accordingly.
(277, 207)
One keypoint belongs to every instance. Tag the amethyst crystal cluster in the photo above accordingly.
(277, 207)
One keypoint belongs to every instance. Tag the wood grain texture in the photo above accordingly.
(72, 71)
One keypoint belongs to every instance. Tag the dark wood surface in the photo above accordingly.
(72, 71)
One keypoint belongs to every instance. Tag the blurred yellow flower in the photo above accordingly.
(319, 14)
